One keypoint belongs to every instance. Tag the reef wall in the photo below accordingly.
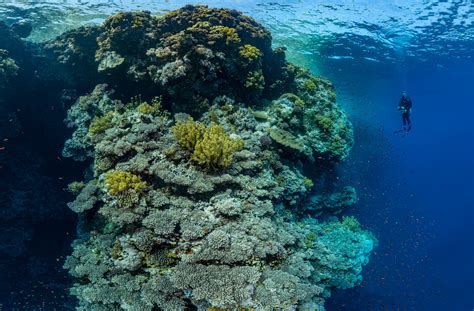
(196, 135)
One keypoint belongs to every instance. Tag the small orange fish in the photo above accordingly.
(327, 230)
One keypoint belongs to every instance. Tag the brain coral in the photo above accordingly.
(235, 236)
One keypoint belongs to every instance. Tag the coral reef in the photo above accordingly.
(210, 212)
(203, 50)
(332, 203)
(8, 68)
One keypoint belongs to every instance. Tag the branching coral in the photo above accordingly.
(216, 148)
(188, 133)
(151, 108)
(211, 147)
(119, 182)
(250, 52)
(101, 124)
(230, 34)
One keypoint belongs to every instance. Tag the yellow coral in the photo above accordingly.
(188, 133)
(230, 33)
(211, 146)
(101, 124)
(216, 148)
(119, 182)
(152, 108)
(250, 52)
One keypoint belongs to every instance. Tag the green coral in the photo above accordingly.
(250, 52)
(120, 182)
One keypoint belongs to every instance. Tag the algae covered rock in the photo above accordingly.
(205, 213)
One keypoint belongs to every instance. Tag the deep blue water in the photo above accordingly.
(419, 195)
(417, 192)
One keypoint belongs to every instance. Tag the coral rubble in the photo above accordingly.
(195, 197)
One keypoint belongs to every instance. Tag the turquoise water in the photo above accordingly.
(415, 192)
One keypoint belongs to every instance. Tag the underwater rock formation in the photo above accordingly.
(195, 192)
(11, 48)
(8, 68)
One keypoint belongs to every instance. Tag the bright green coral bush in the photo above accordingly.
(119, 182)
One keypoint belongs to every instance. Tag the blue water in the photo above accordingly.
(417, 192)
(420, 188)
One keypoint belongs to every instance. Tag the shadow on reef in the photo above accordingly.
(195, 134)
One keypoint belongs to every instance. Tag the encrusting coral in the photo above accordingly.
(212, 212)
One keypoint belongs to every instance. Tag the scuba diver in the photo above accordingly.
(404, 106)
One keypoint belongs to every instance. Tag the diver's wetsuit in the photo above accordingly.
(405, 107)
